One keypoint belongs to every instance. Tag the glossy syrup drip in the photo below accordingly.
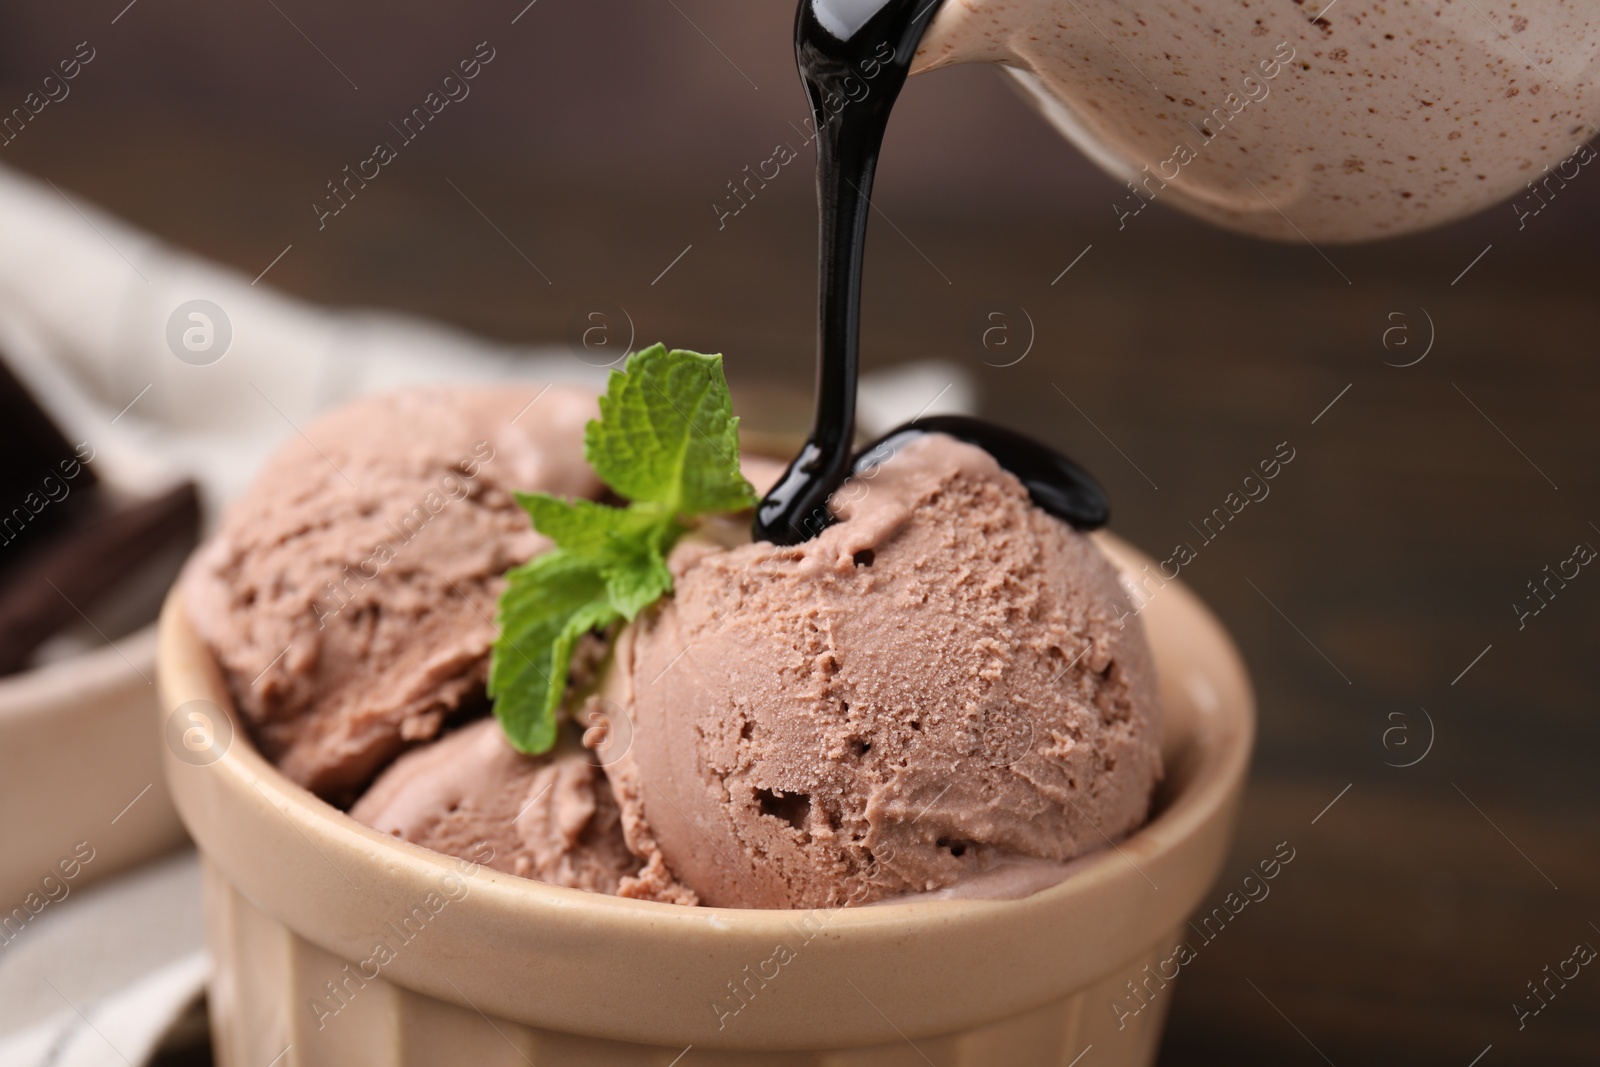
(854, 56)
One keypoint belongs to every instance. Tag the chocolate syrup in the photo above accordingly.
(854, 57)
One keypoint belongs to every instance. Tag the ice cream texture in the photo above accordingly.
(551, 818)
(349, 594)
(943, 692)
(944, 683)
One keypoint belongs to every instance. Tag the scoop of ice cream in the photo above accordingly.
(946, 681)
(550, 817)
(349, 594)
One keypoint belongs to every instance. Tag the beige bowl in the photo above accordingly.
(483, 968)
(80, 774)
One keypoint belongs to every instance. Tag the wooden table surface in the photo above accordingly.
(1371, 592)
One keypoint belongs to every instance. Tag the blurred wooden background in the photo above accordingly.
(1170, 358)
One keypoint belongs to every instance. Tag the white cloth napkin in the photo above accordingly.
(85, 302)
(97, 980)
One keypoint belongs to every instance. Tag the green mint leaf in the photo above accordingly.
(667, 434)
(549, 603)
(587, 528)
(627, 545)
(668, 441)
(638, 582)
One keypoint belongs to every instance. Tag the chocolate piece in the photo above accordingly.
(53, 582)
(44, 477)
(64, 538)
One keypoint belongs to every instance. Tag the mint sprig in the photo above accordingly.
(668, 442)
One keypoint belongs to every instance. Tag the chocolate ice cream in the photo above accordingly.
(943, 691)
(934, 688)
(349, 594)
(549, 817)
